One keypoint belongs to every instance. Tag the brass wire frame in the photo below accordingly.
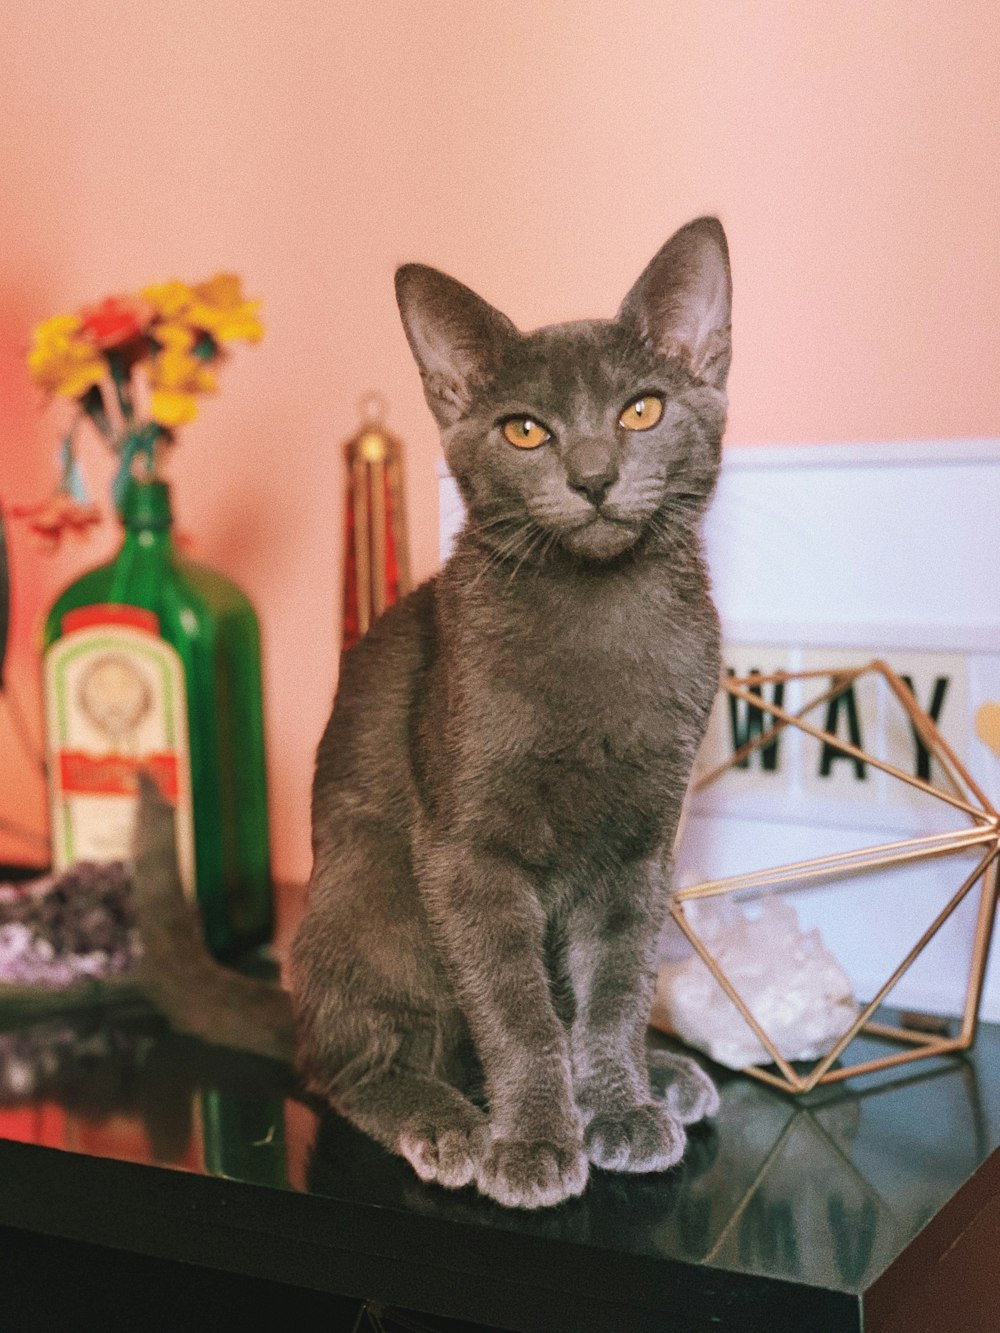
(981, 832)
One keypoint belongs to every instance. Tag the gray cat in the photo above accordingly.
(498, 789)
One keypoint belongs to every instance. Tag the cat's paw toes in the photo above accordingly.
(447, 1155)
(644, 1138)
(691, 1095)
(519, 1174)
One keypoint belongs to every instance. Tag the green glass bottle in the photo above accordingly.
(152, 660)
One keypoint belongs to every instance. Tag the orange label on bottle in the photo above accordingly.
(110, 613)
(115, 774)
(116, 703)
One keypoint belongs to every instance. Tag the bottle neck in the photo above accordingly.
(147, 551)
(145, 514)
(142, 541)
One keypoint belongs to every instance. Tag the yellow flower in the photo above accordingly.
(176, 376)
(221, 310)
(217, 307)
(174, 337)
(169, 408)
(169, 299)
(225, 290)
(63, 361)
(174, 368)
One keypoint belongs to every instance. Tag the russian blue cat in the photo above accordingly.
(498, 789)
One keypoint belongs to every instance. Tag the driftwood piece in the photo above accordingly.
(176, 973)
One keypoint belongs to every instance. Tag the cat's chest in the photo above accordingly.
(582, 715)
(586, 764)
(622, 669)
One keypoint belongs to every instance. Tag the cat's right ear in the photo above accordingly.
(456, 337)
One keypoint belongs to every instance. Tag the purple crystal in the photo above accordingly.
(59, 929)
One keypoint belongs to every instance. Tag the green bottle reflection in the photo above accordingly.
(213, 630)
(243, 1135)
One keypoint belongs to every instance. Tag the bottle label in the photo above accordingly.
(116, 703)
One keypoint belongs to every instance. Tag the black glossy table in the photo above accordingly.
(148, 1181)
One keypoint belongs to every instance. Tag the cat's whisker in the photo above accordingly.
(501, 533)
(511, 549)
(549, 545)
(537, 539)
(495, 521)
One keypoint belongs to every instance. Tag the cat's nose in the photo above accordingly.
(594, 486)
(591, 468)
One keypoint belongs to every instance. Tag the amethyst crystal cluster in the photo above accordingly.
(67, 928)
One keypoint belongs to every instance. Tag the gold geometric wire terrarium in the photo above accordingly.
(978, 833)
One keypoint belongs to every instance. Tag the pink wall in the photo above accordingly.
(539, 150)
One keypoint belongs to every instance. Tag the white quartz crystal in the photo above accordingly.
(790, 982)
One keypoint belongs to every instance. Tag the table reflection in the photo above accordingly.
(825, 1192)
(121, 1085)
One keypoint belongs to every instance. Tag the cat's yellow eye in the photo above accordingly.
(642, 414)
(525, 433)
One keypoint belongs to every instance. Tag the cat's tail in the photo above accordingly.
(176, 973)
(682, 1085)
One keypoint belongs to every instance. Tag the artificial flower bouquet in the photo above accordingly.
(135, 365)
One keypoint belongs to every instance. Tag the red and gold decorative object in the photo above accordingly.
(376, 561)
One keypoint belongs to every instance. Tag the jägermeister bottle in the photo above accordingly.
(153, 661)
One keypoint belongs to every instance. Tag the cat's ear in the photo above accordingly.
(682, 302)
(456, 337)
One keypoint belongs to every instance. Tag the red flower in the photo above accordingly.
(56, 516)
(116, 320)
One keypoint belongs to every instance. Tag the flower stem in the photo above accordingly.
(92, 405)
(140, 441)
(120, 377)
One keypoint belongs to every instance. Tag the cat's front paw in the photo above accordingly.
(448, 1154)
(689, 1094)
(521, 1174)
(643, 1138)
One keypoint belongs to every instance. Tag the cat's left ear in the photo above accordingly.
(456, 337)
(682, 303)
